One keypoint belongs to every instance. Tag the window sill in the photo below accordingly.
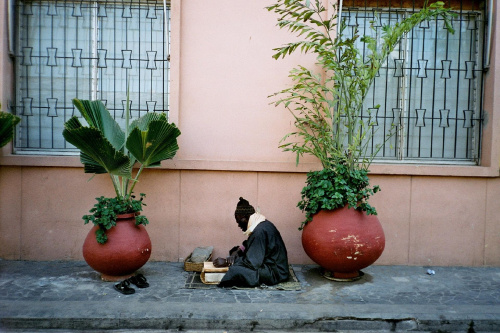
(251, 166)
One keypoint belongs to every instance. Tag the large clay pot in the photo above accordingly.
(128, 248)
(343, 241)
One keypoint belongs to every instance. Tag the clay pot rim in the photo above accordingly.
(126, 216)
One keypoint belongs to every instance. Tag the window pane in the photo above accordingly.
(430, 86)
(88, 50)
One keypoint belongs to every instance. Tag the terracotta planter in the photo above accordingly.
(128, 248)
(343, 241)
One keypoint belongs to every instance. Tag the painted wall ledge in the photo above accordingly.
(252, 166)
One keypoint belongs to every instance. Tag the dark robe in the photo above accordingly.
(264, 260)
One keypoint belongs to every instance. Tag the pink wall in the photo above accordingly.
(427, 220)
(222, 73)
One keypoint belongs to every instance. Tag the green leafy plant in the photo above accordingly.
(105, 211)
(8, 123)
(327, 105)
(106, 148)
(334, 188)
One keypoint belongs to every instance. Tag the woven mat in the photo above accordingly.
(193, 281)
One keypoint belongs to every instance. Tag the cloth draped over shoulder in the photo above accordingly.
(253, 222)
(264, 260)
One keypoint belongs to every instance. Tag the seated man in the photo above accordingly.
(262, 259)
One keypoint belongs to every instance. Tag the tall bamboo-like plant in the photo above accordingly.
(106, 148)
(327, 105)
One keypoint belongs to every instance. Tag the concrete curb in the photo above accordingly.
(256, 317)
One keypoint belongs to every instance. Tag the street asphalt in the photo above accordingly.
(68, 296)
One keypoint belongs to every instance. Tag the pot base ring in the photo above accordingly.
(115, 278)
(342, 277)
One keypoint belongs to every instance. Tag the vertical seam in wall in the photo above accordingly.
(21, 217)
(409, 222)
(257, 190)
(485, 223)
(179, 210)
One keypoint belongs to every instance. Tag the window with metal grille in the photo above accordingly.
(430, 88)
(89, 50)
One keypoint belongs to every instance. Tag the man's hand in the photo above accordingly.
(231, 259)
(234, 254)
(234, 250)
(220, 262)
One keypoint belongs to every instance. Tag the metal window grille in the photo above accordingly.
(88, 50)
(429, 89)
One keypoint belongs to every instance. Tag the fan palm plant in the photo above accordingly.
(106, 148)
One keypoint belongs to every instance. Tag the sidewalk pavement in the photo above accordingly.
(69, 296)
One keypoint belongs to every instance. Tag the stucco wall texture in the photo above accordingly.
(427, 220)
(221, 75)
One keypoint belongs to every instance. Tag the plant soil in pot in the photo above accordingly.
(127, 249)
(343, 241)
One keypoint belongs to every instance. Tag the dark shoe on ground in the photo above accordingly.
(139, 280)
(124, 288)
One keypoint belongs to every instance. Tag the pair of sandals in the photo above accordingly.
(138, 280)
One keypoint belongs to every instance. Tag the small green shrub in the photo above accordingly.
(330, 189)
(105, 211)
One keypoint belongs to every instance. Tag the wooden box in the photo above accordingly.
(211, 274)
